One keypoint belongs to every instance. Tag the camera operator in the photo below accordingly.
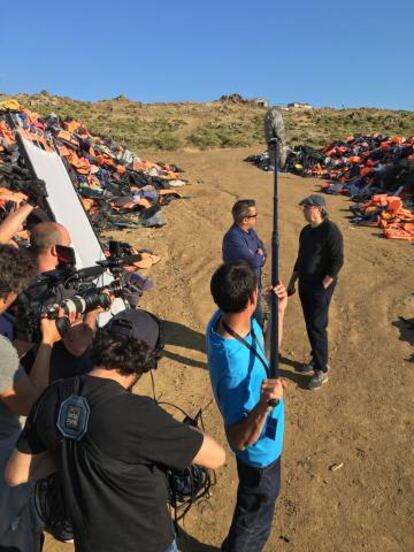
(112, 462)
(44, 238)
(18, 392)
(70, 355)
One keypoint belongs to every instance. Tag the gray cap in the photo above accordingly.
(314, 200)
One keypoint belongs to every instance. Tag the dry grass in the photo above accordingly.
(179, 126)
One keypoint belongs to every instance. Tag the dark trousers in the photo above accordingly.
(315, 301)
(253, 515)
(258, 312)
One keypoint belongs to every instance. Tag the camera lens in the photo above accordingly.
(95, 298)
(74, 305)
(116, 288)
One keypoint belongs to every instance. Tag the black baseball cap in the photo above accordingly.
(314, 200)
(136, 324)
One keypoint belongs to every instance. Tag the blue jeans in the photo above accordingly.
(172, 548)
(253, 515)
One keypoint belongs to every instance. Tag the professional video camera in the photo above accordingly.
(72, 291)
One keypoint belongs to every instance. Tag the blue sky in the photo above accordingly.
(353, 53)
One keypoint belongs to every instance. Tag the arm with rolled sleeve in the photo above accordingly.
(245, 425)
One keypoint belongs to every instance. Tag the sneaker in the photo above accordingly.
(306, 368)
(317, 380)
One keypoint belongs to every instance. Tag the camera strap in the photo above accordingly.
(252, 348)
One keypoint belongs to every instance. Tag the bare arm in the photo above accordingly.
(211, 454)
(39, 374)
(82, 331)
(79, 338)
(20, 398)
(12, 224)
(22, 467)
(247, 432)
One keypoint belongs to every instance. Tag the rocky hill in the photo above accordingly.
(224, 123)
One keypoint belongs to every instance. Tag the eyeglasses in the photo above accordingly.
(252, 216)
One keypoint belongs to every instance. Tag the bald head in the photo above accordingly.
(46, 235)
(44, 238)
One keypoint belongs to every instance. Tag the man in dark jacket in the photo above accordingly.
(241, 243)
(319, 261)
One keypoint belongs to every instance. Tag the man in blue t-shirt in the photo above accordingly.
(239, 373)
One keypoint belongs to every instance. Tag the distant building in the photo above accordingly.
(299, 105)
(262, 102)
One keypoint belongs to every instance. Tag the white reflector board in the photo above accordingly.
(67, 209)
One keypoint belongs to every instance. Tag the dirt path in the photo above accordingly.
(363, 418)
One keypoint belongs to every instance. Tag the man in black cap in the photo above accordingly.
(319, 261)
(112, 448)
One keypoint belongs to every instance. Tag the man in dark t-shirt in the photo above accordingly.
(320, 258)
(112, 449)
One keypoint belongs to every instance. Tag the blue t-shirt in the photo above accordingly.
(236, 376)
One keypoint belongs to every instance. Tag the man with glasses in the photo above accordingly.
(319, 261)
(241, 243)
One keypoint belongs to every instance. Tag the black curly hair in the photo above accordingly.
(124, 354)
(17, 269)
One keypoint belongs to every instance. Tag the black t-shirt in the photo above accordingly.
(321, 252)
(64, 364)
(113, 479)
